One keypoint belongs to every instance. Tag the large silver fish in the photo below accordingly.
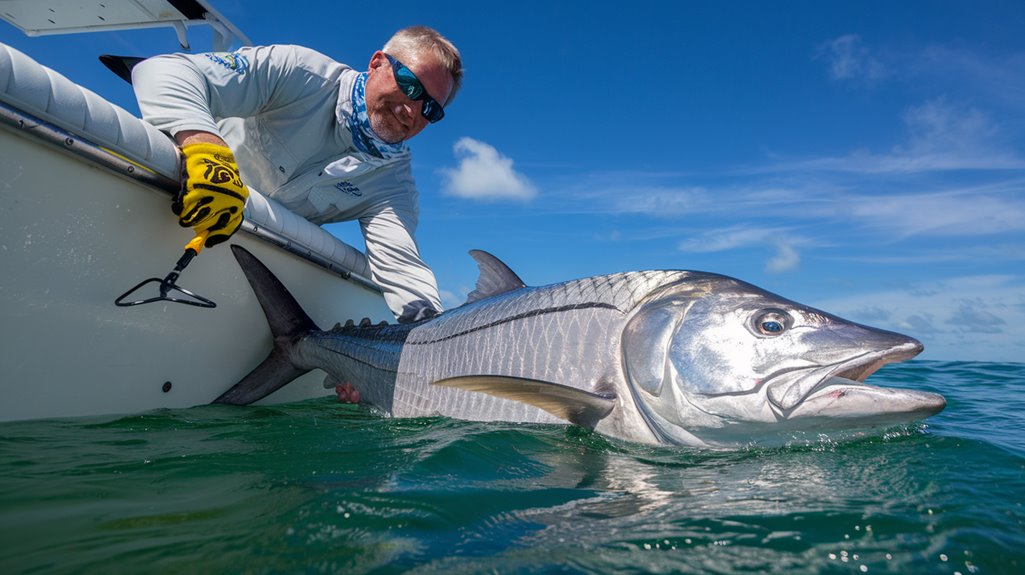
(660, 357)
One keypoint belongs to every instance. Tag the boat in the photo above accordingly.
(85, 218)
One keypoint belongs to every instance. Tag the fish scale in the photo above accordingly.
(565, 332)
(557, 332)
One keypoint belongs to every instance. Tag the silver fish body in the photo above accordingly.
(661, 357)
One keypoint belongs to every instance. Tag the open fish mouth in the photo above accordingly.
(840, 391)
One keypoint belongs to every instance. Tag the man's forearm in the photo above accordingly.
(186, 137)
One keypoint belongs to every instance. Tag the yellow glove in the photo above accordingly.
(212, 195)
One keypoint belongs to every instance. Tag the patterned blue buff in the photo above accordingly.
(359, 124)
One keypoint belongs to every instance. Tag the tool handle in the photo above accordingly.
(196, 244)
(192, 250)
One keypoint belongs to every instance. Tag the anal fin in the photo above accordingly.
(576, 406)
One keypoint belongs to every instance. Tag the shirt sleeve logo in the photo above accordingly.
(233, 61)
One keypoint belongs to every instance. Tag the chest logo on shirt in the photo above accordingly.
(348, 188)
(231, 60)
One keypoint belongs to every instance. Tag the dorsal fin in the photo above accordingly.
(495, 277)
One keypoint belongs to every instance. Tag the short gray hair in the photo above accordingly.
(409, 42)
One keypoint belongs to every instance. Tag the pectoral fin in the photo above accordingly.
(576, 406)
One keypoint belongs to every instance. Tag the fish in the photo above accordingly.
(663, 357)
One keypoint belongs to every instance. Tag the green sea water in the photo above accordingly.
(319, 487)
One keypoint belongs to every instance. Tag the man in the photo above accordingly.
(319, 137)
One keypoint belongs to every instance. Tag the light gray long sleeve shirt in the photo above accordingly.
(284, 112)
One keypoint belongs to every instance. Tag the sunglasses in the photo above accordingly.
(414, 90)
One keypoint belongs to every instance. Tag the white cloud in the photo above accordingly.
(640, 193)
(747, 209)
(940, 135)
(727, 239)
(971, 317)
(959, 213)
(995, 76)
(943, 133)
(998, 77)
(485, 174)
(850, 59)
(785, 260)
(938, 125)
(660, 202)
(974, 317)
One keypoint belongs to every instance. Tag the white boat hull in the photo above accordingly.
(74, 236)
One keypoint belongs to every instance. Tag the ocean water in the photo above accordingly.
(319, 487)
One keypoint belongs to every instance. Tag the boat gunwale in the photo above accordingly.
(23, 122)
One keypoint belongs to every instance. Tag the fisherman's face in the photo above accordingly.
(394, 117)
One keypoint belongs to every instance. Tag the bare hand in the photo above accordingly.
(347, 393)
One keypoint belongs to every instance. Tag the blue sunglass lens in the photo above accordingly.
(414, 90)
(433, 111)
(408, 83)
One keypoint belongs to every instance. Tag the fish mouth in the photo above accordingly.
(839, 390)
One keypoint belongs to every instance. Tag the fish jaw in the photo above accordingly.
(788, 390)
(818, 399)
(856, 404)
(836, 396)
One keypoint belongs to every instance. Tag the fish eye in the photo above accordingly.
(771, 322)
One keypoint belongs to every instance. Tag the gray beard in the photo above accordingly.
(382, 131)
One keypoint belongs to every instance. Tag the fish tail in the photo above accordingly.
(287, 321)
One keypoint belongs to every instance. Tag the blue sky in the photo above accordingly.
(866, 158)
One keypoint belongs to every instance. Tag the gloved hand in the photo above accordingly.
(212, 195)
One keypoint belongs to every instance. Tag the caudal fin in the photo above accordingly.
(287, 321)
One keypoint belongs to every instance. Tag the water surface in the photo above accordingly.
(318, 487)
